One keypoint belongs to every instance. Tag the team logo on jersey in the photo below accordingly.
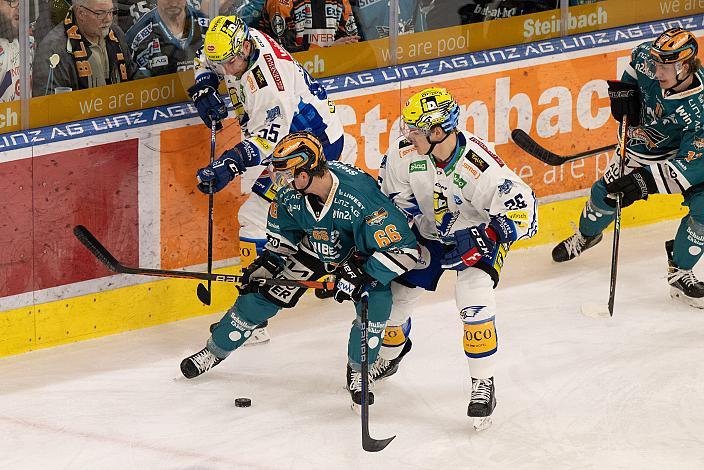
(278, 25)
(273, 113)
(647, 136)
(418, 166)
(444, 218)
(377, 217)
(505, 187)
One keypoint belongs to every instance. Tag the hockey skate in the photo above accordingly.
(383, 369)
(684, 286)
(354, 386)
(259, 335)
(195, 364)
(482, 403)
(574, 246)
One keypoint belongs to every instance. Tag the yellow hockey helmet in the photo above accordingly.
(429, 108)
(224, 38)
(673, 46)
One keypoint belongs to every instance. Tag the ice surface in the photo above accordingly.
(572, 391)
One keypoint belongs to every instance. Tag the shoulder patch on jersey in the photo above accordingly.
(259, 77)
(273, 113)
(420, 165)
(377, 217)
(269, 59)
(477, 161)
(505, 187)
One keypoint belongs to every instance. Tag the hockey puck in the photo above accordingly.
(243, 402)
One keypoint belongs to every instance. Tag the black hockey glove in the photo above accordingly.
(208, 102)
(625, 101)
(350, 281)
(266, 266)
(470, 246)
(634, 186)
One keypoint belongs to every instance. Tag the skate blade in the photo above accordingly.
(480, 424)
(259, 336)
(679, 296)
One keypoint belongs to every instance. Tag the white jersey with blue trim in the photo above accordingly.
(276, 96)
(474, 187)
(10, 68)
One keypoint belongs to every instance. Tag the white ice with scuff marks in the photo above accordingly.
(573, 391)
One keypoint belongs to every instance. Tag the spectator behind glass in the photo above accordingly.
(249, 11)
(373, 17)
(167, 39)
(446, 13)
(131, 11)
(51, 13)
(10, 50)
(299, 24)
(90, 50)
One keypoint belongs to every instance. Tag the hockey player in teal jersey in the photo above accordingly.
(327, 217)
(662, 93)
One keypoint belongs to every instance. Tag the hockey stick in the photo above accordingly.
(205, 294)
(104, 256)
(617, 219)
(530, 146)
(368, 442)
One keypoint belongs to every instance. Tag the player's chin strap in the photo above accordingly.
(678, 69)
(433, 144)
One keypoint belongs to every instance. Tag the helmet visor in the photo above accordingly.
(409, 131)
(281, 177)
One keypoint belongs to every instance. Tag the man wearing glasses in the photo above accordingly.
(84, 51)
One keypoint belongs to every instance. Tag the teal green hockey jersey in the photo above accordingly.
(671, 122)
(670, 139)
(356, 217)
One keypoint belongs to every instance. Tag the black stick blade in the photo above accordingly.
(530, 146)
(375, 445)
(94, 246)
(203, 294)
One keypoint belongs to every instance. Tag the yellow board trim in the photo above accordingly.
(130, 308)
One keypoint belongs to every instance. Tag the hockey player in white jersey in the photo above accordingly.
(272, 95)
(468, 208)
